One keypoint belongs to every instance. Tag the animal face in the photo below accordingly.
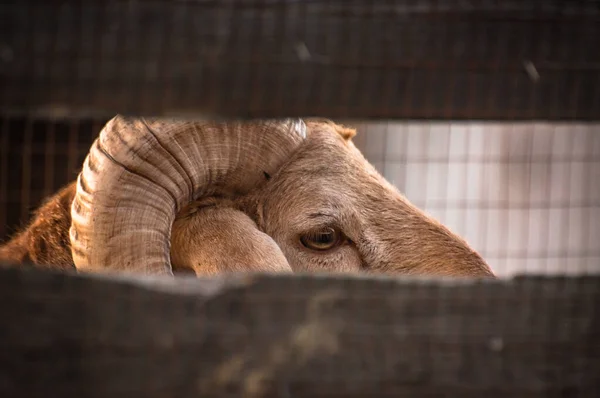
(328, 210)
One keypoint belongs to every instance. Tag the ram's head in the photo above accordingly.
(161, 196)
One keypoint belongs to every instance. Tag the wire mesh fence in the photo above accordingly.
(526, 195)
(483, 113)
(38, 156)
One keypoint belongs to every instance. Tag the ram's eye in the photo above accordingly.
(321, 239)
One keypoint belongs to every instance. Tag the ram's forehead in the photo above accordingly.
(325, 160)
(322, 156)
(312, 202)
(324, 176)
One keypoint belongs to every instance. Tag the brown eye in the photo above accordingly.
(321, 239)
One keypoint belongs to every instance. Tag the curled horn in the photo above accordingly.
(140, 173)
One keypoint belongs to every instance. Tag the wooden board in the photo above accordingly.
(404, 59)
(70, 335)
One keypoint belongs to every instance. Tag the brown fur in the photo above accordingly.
(45, 241)
(326, 182)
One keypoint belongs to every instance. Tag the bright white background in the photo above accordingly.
(526, 196)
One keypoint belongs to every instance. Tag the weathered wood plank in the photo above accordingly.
(304, 336)
(436, 59)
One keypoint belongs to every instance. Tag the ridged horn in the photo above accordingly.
(139, 173)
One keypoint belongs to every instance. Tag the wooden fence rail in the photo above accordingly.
(395, 59)
(70, 335)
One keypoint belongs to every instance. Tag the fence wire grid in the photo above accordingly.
(484, 113)
(525, 195)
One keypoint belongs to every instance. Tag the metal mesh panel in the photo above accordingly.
(37, 157)
(525, 195)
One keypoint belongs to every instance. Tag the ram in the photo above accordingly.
(159, 196)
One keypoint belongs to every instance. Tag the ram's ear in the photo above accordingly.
(347, 133)
(213, 238)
